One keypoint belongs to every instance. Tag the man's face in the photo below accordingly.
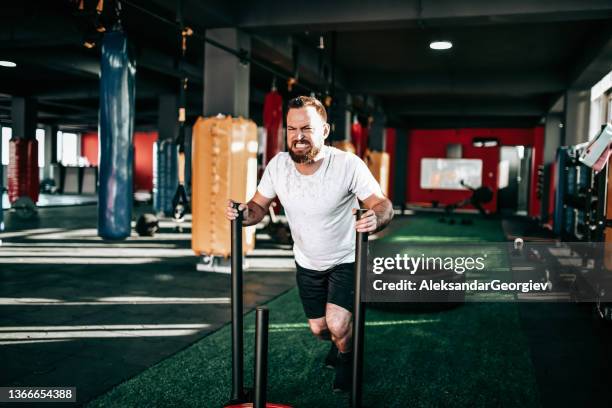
(306, 133)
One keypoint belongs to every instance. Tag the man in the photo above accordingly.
(319, 187)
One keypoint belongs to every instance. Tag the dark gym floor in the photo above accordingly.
(79, 311)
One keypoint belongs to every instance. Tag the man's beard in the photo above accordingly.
(304, 158)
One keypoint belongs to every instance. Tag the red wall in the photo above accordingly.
(89, 147)
(143, 160)
(390, 149)
(432, 144)
(143, 156)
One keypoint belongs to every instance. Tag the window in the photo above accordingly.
(40, 138)
(609, 114)
(58, 152)
(485, 142)
(7, 133)
(67, 146)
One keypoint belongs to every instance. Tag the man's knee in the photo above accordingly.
(339, 327)
(338, 321)
(319, 328)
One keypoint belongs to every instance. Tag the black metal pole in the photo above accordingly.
(361, 264)
(237, 325)
(261, 357)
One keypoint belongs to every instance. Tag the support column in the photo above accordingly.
(54, 169)
(23, 112)
(339, 118)
(376, 136)
(24, 179)
(552, 136)
(577, 116)
(165, 172)
(226, 78)
(167, 117)
(401, 161)
(188, 130)
(48, 152)
(53, 131)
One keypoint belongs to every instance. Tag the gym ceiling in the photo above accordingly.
(510, 63)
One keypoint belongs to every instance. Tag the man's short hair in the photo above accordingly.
(304, 101)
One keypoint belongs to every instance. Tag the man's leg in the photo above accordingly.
(319, 328)
(338, 315)
(312, 287)
(339, 325)
(313, 294)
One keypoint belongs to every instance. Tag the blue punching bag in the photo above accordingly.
(165, 177)
(117, 88)
(1, 191)
(188, 162)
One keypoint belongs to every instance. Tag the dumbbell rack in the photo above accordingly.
(584, 225)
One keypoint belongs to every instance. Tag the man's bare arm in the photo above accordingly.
(254, 210)
(380, 214)
(257, 209)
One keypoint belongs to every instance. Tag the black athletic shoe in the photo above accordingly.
(342, 382)
(332, 356)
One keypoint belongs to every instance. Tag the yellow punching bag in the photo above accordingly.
(224, 166)
(378, 163)
(345, 146)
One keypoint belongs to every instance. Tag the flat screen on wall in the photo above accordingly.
(446, 174)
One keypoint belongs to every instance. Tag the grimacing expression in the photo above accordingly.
(306, 133)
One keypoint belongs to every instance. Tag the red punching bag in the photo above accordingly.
(33, 186)
(365, 133)
(23, 169)
(357, 138)
(273, 122)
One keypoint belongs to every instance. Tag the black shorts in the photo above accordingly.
(335, 285)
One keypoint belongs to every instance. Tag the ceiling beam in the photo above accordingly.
(278, 49)
(379, 83)
(456, 122)
(369, 14)
(37, 28)
(467, 108)
(145, 88)
(84, 63)
(196, 13)
(594, 61)
(164, 64)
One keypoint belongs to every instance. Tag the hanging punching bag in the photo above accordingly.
(357, 138)
(273, 122)
(23, 170)
(117, 86)
(1, 189)
(165, 176)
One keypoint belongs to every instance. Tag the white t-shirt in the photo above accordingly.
(319, 206)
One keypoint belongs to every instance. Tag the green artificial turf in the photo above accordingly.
(428, 228)
(471, 356)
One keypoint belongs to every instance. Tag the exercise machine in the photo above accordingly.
(242, 397)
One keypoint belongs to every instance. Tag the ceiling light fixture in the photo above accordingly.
(441, 45)
(8, 64)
